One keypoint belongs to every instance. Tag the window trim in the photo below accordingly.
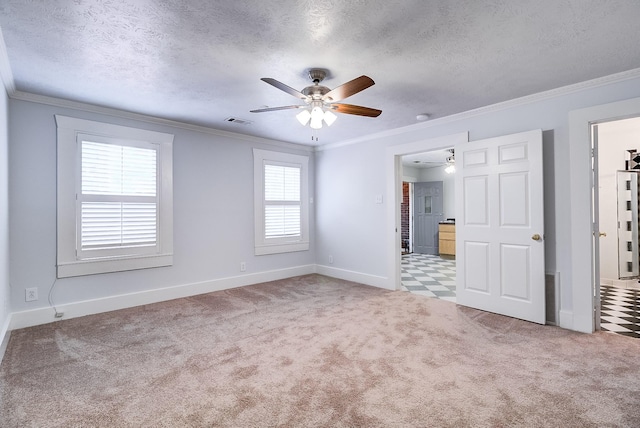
(68, 262)
(265, 245)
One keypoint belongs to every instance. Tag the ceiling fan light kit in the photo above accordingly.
(321, 102)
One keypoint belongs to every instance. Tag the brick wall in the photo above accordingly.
(404, 211)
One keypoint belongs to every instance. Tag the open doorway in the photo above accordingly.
(394, 174)
(581, 314)
(428, 224)
(616, 210)
(478, 171)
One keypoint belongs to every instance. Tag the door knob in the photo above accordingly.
(603, 234)
(536, 237)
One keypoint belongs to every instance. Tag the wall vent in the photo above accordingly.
(238, 121)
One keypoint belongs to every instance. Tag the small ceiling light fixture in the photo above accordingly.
(422, 117)
(316, 115)
(451, 162)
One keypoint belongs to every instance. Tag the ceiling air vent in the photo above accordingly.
(238, 121)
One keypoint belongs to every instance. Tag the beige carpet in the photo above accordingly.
(315, 351)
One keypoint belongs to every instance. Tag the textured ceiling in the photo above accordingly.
(200, 61)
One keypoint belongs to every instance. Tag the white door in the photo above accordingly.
(427, 214)
(499, 226)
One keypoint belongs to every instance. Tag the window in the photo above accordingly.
(114, 198)
(281, 202)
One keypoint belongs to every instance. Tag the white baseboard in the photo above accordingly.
(566, 319)
(583, 324)
(89, 307)
(625, 283)
(5, 333)
(362, 278)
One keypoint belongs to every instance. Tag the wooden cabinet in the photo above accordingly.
(447, 239)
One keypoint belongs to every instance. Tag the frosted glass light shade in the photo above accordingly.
(329, 117)
(316, 123)
(303, 117)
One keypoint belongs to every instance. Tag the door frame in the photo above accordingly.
(393, 169)
(580, 314)
(593, 132)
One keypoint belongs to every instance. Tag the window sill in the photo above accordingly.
(281, 248)
(107, 265)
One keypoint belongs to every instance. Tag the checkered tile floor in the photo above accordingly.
(434, 276)
(429, 275)
(620, 310)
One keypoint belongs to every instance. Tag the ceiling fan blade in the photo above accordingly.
(262, 110)
(288, 89)
(352, 87)
(358, 110)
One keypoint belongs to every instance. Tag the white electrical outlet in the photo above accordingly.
(243, 266)
(31, 294)
(330, 260)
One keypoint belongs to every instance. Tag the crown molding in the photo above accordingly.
(516, 102)
(7, 77)
(5, 68)
(122, 114)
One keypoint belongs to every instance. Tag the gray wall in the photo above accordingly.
(349, 223)
(213, 211)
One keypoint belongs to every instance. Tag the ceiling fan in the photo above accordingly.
(321, 102)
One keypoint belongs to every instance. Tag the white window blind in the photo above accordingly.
(117, 224)
(282, 201)
(118, 200)
(113, 169)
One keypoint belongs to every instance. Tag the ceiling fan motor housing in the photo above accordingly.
(317, 75)
(316, 92)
